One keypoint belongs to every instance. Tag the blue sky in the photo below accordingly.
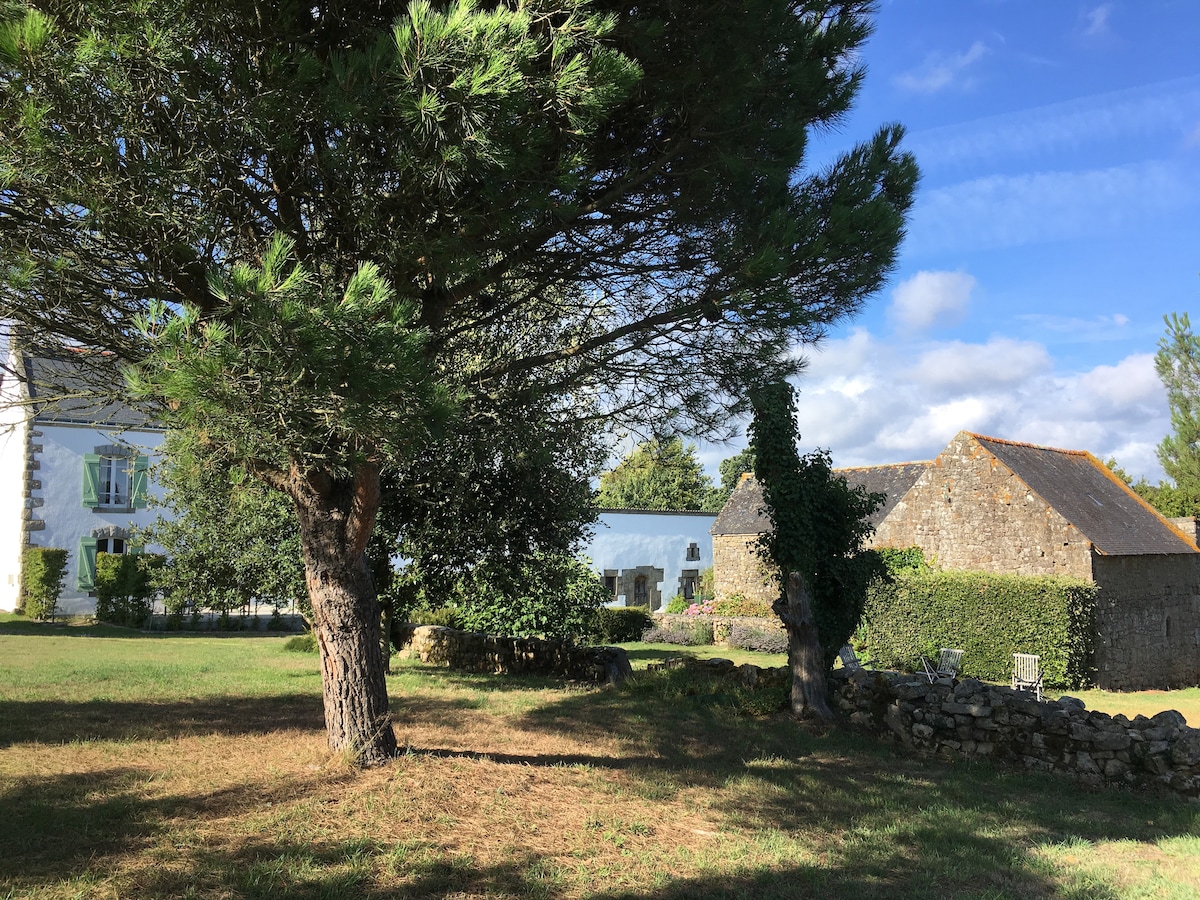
(1057, 221)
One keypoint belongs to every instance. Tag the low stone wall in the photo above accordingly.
(978, 720)
(474, 652)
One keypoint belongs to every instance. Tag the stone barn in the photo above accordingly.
(1001, 506)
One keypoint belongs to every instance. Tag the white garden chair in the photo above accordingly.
(1027, 673)
(946, 667)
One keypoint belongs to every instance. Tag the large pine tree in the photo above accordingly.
(319, 229)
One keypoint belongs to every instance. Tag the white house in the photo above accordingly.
(73, 472)
(649, 556)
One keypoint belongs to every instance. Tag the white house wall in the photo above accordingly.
(627, 540)
(66, 518)
(13, 429)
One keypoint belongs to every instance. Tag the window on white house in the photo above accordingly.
(113, 486)
(113, 479)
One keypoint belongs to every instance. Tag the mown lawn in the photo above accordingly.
(196, 767)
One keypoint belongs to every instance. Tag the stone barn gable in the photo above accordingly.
(1003, 506)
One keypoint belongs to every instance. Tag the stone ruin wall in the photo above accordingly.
(1147, 621)
(470, 651)
(968, 511)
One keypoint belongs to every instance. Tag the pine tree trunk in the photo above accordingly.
(336, 517)
(810, 688)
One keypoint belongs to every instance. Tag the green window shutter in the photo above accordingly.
(91, 480)
(137, 490)
(87, 563)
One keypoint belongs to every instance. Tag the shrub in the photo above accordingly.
(764, 640)
(677, 605)
(741, 605)
(42, 570)
(445, 616)
(903, 559)
(693, 634)
(556, 597)
(124, 587)
(989, 616)
(699, 609)
(620, 624)
(302, 643)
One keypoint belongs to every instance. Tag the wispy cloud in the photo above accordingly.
(930, 298)
(941, 71)
(1095, 20)
(1010, 211)
(1161, 112)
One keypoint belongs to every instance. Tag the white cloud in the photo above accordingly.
(940, 71)
(930, 298)
(869, 403)
(1009, 211)
(1096, 20)
(958, 367)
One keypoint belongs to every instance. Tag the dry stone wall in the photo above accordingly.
(470, 651)
(973, 719)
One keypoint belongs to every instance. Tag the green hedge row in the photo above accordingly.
(990, 617)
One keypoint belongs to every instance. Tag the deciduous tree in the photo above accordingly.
(1178, 365)
(657, 474)
(323, 230)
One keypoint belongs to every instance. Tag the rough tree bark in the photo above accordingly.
(809, 686)
(336, 518)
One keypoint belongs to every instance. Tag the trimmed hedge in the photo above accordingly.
(990, 617)
(621, 624)
(125, 587)
(42, 570)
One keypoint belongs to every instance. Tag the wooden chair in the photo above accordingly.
(946, 667)
(1027, 673)
(851, 662)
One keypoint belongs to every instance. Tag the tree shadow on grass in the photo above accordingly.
(61, 832)
(882, 803)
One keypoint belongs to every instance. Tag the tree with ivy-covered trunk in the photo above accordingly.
(815, 546)
(319, 231)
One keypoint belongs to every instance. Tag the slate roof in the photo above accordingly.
(79, 390)
(1084, 492)
(743, 513)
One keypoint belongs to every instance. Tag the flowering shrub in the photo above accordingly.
(700, 609)
(765, 641)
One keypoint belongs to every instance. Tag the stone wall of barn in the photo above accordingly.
(737, 569)
(1147, 621)
(969, 511)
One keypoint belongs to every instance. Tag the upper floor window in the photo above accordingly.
(114, 480)
(113, 489)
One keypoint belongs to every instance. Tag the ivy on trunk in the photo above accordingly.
(815, 546)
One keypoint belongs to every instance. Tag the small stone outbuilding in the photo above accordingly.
(1001, 506)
